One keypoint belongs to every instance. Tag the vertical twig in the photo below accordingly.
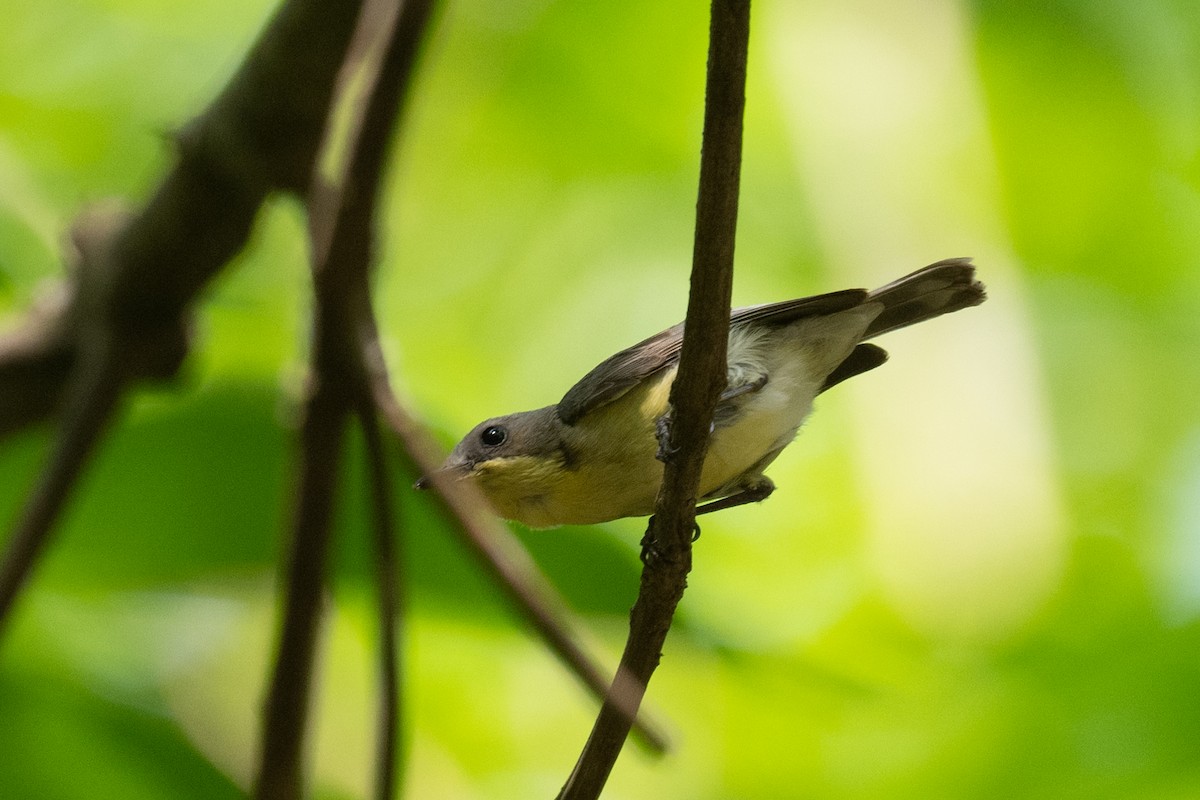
(281, 753)
(700, 379)
(387, 571)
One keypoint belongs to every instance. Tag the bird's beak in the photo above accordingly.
(458, 469)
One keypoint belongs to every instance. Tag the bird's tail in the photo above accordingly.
(929, 292)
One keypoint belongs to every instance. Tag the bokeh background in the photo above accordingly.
(980, 576)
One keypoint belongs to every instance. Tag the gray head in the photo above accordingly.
(498, 441)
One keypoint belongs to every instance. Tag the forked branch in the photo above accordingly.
(373, 79)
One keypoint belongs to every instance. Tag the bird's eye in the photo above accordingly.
(493, 435)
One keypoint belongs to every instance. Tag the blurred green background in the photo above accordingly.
(980, 576)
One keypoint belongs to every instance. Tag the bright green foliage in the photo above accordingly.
(980, 576)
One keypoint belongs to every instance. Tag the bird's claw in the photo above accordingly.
(650, 553)
(662, 432)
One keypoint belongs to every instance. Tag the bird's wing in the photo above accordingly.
(620, 372)
(786, 311)
(617, 374)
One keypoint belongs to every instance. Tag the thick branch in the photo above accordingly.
(259, 135)
(135, 276)
(700, 380)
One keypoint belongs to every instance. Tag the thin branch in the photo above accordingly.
(335, 196)
(94, 397)
(280, 767)
(700, 380)
(373, 82)
(386, 575)
(97, 379)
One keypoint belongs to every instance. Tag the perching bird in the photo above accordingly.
(592, 457)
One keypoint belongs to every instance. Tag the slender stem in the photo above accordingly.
(280, 768)
(387, 572)
(93, 399)
(700, 379)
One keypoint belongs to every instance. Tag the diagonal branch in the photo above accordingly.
(499, 553)
(700, 379)
(95, 394)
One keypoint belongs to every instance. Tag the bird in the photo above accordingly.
(597, 454)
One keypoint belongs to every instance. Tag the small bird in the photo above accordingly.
(595, 455)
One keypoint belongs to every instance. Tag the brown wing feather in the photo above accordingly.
(617, 374)
(786, 311)
(620, 372)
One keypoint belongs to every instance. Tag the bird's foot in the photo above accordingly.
(662, 432)
(754, 492)
(743, 388)
(651, 554)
